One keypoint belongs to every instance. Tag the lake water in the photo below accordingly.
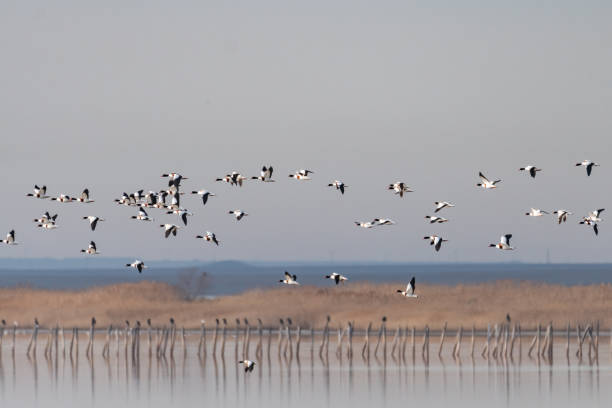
(282, 380)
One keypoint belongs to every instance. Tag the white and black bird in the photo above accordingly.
(46, 218)
(339, 185)
(93, 221)
(594, 215)
(486, 183)
(63, 198)
(442, 204)
(174, 179)
(265, 175)
(124, 200)
(10, 238)
(382, 221)
(336, 277)
(289, 279)
(504, 243)
(536, 212)
(399, 187)
(234, 179)
(561, 215)
(91, 249)
(238, 214)
(170, 229)
(434, 219)
(588, 165)
(182, 213)
(84, 197)
(205, 194)
(139, 265)
(366, 225)
(591, 223)
(142, 215)
(301, 174)
(248, 365)
(436, 241)
(532, 170)
(210, 237)
(47, 225)
(409, 292)
(39, 192)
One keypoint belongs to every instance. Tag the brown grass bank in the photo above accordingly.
(479, 304)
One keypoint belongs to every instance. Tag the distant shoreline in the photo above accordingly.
(308, 306)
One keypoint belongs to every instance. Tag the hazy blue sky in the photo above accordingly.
(111, 96)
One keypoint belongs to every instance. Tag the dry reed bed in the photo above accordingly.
(479, 304)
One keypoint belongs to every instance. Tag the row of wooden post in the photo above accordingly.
(500, 340)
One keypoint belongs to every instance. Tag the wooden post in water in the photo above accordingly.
(325, 330)
(223, 335)
(259, 348)
(2, 328)
(105, 349)
(247, 340)
(457, 348)
(14, 338)
(71, 342)
(384, 326)
(215, 337)
(413, 342)
(173, 336)
(394, 344)
(149, 337)
(485, 349)
(280, 337)
(366, 345)
(442, 336)
(472, 342)
(512, 340)
(289, 341)
(32, 344)
(380, 333)
(237, 340)
(269, 341)
(349, 352)
(597, 339)
(202, 343)
(580, 340)
(298, 341)
(533, 343)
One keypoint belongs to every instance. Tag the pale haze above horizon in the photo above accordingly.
(111, 96)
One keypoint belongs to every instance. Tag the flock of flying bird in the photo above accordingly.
(169, 200)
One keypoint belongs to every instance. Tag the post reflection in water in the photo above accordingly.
(298, 378)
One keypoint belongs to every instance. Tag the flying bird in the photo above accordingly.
(46, 219)
(409, 292)
(265, 174)
(561, 215)
(84, 197)
(301, 174)
(137, 265)
(93, 221)
(536, 212)
(442, 204)
(594, 215)
(238, 214)
(62, 198)
(182, 213)
(174, 179)
(436, 241)
(170, 229)
(336, 277)
(289, 279)
(209, 236)
(248, 365)
(205, 194)
(486, 183)
(142, 215)
(368, 224)
(10, 238)
(339, 185)
(382, 221)
(433, 219)
(39, 192)
(399, 187)
(532, 170)
(91, 249)
(588, 165)
(234, 178)
(590, 222)
(504, 243)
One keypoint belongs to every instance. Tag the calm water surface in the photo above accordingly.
(310, 381)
